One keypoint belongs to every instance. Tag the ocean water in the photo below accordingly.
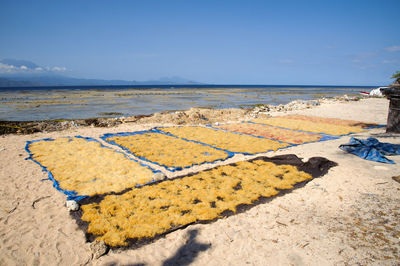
(48, 103)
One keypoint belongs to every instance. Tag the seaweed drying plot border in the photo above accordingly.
(330, 137)
(233, 152)
(322, 134)
(373, 125)
(156, 130)
(73, 195)
(325, 137)
(315, 166)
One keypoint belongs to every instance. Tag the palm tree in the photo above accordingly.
(397, 77)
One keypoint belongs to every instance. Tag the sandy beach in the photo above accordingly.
(348, 216)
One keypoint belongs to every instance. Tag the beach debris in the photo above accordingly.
(158, 176)
(280, 223)
(13, 209)
(98, 248)
(305, 245)
(283, 208)
(37, 200)
(376, 92)
(396, 178)
(72, 205)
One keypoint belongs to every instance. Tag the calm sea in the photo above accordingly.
(44, 103)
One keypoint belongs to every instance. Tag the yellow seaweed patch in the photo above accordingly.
(225, 140)
(168, 150)
(309, 126)
(335, 121)
(88, 168)
(152, 210)
(281, 134)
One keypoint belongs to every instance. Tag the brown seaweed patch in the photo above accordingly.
(110, 113)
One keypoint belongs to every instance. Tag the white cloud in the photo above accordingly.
(393, 49)
(10, 68)
(59, 68)
(4, 68)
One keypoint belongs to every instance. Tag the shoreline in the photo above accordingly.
(194, 115)
(84, 104)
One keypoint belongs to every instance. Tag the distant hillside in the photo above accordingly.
(4, 82)
(24, 73)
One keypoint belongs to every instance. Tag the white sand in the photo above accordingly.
(349, 216)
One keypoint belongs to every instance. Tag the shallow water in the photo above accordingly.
(27, 104)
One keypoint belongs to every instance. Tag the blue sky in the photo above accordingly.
(223, 42)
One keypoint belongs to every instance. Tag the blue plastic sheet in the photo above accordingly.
(371, 149)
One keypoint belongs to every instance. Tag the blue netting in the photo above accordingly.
(233, 153)
(73, 195)
(377, 126)
(157, 131)
(371, 149)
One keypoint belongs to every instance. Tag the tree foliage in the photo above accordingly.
(396, 75)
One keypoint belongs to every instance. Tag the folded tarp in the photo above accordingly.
(371, 149)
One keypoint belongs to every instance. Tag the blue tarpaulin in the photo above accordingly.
(371, 149)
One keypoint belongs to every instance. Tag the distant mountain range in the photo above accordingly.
(22, 73)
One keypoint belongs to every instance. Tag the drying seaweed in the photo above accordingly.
(147, 213)
(285, 135)
(165, 150)
(86, 167)
(310, 125)
(232, 142)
